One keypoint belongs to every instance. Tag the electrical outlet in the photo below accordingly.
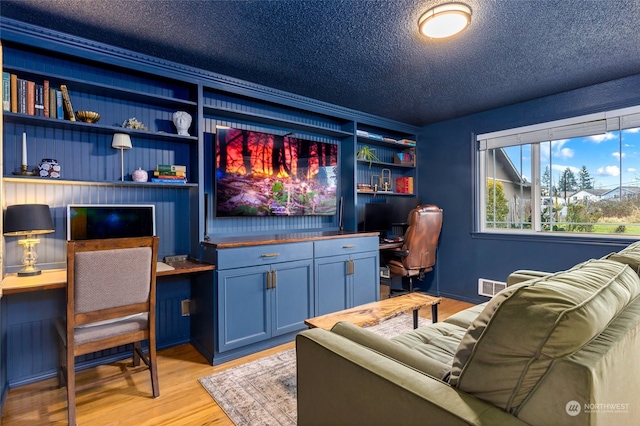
(175, 258)
(185, 307)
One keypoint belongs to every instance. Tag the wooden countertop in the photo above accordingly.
(57, 278)
(295, 237)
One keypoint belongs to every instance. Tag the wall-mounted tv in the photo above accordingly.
(97, 221)
(260, 174)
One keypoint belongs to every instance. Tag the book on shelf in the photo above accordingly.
(53, 109)
(172, 177)
(14, 92)
(168, 173)
(171, 168)
(6, 91)
(46, 111)
(404, 185)
(59, 105)
(22, 96)
(407, 142)
(164, 180)
(39, 100)
(66, 100)
(31, 97)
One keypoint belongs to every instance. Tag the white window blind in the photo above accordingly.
(588, 125)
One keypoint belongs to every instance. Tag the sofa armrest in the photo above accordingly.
(523, 275)
(340, 382)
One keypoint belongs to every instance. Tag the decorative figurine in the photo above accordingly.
(182, 121)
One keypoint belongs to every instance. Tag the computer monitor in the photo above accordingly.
(401, 208)
(97, 221)
(377, 218)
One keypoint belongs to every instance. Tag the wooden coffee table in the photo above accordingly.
(372, 313)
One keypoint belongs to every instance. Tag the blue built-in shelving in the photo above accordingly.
(120, 84)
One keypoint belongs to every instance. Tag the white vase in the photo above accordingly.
(139, 175)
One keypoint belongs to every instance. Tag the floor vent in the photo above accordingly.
(490, 288)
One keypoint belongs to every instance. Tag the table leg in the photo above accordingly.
(434, 313)
(415, 318)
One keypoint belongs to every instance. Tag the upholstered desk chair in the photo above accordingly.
(418, 253)
(111, 298)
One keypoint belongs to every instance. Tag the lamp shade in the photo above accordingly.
(121, 141)
(28, 219)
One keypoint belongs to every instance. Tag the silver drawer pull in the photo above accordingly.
(270, 255)
(349, 246)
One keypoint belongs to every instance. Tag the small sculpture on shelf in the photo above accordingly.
(133, 123)
(182, 121)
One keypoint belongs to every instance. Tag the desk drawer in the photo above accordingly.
(263, 255)
(341, 246)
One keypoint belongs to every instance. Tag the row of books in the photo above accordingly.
(170, 173)
(377, 137)
(28, 97)
(404, 185)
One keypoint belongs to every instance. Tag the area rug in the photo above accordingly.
(263, 392)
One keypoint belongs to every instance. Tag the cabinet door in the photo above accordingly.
(332, 289)
(365, 278)
(292, 296)
(243, 307)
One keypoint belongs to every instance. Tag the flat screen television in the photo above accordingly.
(97, 221)
(261, 174)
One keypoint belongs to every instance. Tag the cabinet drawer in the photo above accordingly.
(263, 255)
(341, 246)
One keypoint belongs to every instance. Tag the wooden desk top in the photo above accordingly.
(57, 278)
(372, 313)
(293, 237)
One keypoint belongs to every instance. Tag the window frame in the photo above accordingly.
(535, 135)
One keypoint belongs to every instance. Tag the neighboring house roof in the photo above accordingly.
(626, 190)
(586, 192)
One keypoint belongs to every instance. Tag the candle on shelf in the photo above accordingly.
(24, 149)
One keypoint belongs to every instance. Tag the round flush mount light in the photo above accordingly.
(445, 20)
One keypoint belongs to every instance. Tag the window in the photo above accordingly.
(579, 175)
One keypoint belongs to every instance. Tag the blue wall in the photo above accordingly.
(446, 174)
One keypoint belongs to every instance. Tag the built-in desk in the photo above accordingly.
(57, 278)
(30, 305)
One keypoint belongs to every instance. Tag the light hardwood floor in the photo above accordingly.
(183, 401)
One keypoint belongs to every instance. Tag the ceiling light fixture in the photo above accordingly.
(445, 20)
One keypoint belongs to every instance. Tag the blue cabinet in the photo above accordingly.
(265, 293)
(346, 273)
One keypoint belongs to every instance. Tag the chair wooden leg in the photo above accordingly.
(62, 364)
(136, 354)
(153, 368)
(71, 387)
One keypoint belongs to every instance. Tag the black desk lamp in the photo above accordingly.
(29, 220)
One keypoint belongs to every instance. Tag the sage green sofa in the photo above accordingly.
(550, 349)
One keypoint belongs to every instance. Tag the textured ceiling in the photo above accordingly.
(367, 54)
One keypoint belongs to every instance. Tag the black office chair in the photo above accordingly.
(417, 255)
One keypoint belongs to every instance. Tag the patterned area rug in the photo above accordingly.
(263, 392)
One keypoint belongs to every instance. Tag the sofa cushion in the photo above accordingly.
(526, 327)
(437, 341)
(391, 349)
(630, 255)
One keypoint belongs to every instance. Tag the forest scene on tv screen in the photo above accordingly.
(260, 174)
